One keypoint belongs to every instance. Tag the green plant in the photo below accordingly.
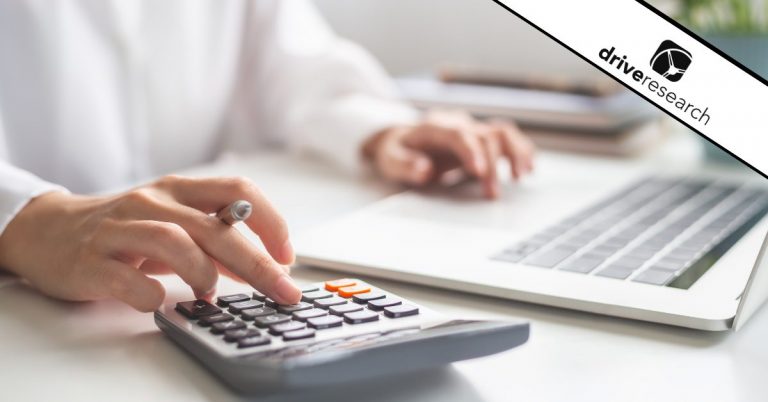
(724, 16)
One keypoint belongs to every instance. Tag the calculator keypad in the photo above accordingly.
(328, 321)
(224, 301)
(326, 308)
(238, 307)
(330, 301)
(221, 327)
(252, 313)
(209, 320)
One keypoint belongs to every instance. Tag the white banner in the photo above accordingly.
(663, 64)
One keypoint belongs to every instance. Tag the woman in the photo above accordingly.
(98, 94)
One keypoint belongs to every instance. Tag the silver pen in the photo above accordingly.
(235, 212)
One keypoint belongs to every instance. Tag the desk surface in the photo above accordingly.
(52, 350)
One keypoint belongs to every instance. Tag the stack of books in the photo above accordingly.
(597, 116)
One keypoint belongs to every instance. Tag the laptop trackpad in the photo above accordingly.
(555, 190)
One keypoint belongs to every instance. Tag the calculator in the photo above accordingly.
(342, 330)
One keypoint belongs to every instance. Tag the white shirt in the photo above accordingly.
(99, 94)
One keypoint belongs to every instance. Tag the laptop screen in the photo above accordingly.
(756, 291)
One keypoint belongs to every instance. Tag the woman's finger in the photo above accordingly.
(492, 152)
(127, 284)
(164, 242)
(221, 242)
(402, 164)
(518, 149)
(460, 141)
(212, 194)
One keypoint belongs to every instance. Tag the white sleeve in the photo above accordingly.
(306, 87)
(17, 186)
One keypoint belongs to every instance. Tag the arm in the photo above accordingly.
(303, 84)
(77, 247)
(17, 187)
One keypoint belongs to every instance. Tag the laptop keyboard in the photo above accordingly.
(664, 232)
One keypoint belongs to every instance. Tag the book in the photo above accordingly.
(629, 142)
(607, 114)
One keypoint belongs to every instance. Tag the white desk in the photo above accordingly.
(104, 351)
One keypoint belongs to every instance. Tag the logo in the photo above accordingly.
(671, 60)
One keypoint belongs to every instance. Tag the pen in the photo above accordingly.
(235, 212)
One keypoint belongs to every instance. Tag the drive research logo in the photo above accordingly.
(671, 60)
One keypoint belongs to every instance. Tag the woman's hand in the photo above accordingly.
(86, 248)
(420, 154)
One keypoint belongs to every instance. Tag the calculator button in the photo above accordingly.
(345, 308)
(270, 320)
(403, 310)
(300, 334)
(292, 308)
(309, 288)
(253, 341)
(328, 321)
(258, 295)
(278, 329)
(364, 298)
(311, 313)
(359, 317)
(350, 291)
(330, 301)
(224, 301)
(379, 304)
(339, 283)
(208, 320)
(221, 327)
(197, 308)
(237, 307)
(233, 335)
(309, 297)
(252, 313)
(271, 303)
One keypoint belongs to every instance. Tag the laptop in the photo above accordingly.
(675, 245)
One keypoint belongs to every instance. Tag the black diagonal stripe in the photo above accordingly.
(758, 171)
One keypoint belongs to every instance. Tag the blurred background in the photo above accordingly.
(415, 35)
(430, 37)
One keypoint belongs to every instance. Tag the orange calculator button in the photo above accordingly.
(349, 291)
(339, 283)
